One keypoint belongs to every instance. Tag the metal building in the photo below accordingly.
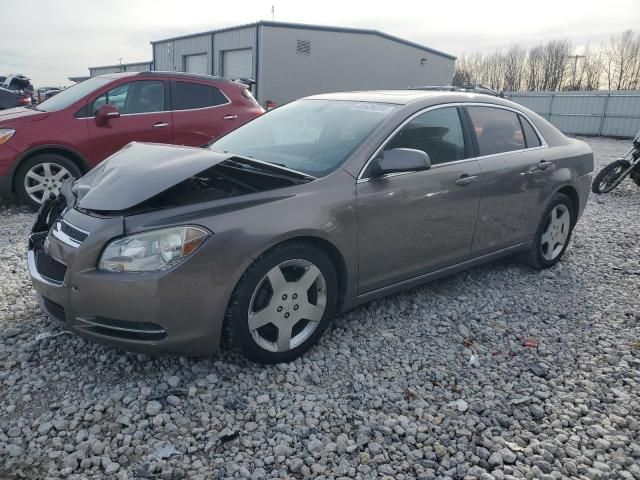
(120, 67)
(289, 60)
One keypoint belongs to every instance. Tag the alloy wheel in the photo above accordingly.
(43, 179)
(287, 305)
(556, 232)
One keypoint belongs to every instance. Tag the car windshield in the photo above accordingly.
(309, 136)
(72, 94)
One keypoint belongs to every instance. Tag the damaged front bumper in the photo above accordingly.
(180, 310)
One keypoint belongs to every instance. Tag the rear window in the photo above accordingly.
(530, 135)
(497, 130)
(188, 96)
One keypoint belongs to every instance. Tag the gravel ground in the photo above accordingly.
(498, 372)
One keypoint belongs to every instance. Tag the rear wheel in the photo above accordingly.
(553, 234)
(283, 303)
(42, 175)
(609, 177)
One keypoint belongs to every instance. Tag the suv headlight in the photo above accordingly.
(6, 134)
(153, 250)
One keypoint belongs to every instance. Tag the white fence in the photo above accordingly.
(612, 113)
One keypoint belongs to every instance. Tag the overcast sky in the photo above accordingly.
(50, 40)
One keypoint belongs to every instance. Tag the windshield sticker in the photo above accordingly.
(372, 107)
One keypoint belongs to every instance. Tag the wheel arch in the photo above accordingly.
(63, 150)
(573, 195)
(322, 244)
(326, 246)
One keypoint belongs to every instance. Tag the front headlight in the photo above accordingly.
(153, 250)
(6, 134)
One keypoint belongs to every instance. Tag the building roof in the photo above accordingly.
(324, 28)
(119, 65)
(79, 78)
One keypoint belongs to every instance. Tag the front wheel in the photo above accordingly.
(609, 177)
(553, 234)
(283, 303)
(42, 175)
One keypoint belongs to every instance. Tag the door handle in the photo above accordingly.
(465, 179)
(160, 125)
(230, 117)
(543, 165)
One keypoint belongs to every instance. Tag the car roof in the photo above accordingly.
(158, 73)
(403, 97)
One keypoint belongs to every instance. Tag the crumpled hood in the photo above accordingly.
(14, 116)
(140, 171)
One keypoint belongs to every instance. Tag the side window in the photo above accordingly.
(497, 130)
(530, 135)
(196, 95)
(134, 97)
(438, 133)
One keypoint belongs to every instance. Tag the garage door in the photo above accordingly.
(196, 64)
(237, 64)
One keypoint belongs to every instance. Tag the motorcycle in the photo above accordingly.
(613, 174)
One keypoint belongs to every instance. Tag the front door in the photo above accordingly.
(145, 116)
(514, 176)
(413, 223)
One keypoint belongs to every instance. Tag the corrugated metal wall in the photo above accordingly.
(340, 61)
(608, 113)
(169, 55)
(236, 39)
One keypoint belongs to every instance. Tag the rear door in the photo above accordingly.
(145, 116)
(413, 223)
(514, 175)
(201, 112)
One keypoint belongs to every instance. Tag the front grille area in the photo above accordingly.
(72, 232)
(49, 268)
(55, 310)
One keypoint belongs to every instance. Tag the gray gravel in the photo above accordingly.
(432, 383)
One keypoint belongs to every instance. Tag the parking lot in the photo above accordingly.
(497, 372)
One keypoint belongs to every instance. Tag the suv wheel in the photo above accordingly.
(42, 175)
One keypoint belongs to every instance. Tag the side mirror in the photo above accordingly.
(400, 160)
(106, 112)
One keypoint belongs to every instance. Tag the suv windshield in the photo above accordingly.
(72, 94)
(309, 136)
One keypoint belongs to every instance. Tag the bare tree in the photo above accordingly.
(514, 61)
(554, 65)
(461, 77)
(591, 69)
(621, 61)
(533, 69)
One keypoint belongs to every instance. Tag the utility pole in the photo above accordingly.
(273, 12)
(575, 69)
(120, 63)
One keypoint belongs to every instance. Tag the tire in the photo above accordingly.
(606, 178)
(539, 256)
(257, 300)
(37, 166)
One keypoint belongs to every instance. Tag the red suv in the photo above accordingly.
(75, 130)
